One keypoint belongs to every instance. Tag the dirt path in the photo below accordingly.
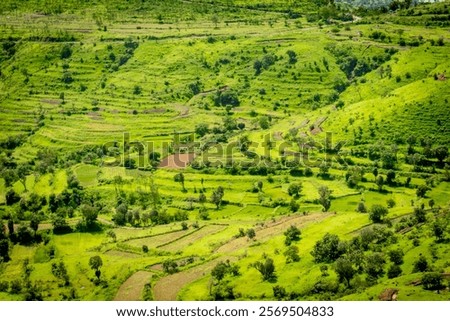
(271, 229)
(167, 288)
(131, 289)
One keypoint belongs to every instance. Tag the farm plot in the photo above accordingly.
(157, 240)
(183, 242)
(131, 289)
(167, 288)
(271, 229)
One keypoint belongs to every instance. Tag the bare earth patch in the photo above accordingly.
(167, 288)
(131, 289)
(192, 238)
(177, 160)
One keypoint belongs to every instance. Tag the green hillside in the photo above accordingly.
(224, 150)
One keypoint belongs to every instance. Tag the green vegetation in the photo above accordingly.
(224, 150)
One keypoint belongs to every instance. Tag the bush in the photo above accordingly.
(145, 248)
(432, 281)
(394, 271)
(421, 265)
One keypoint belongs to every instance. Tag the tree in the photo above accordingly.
(201, 129)
(433, 281)
(170, 266)
(34, 223)
(439, 227)
(279, 292)
(421, 264)
(292, 234)
(89, 214)
(422, 190)
(59, 270)
(11, 197)
(179, 177)
(217, 196)
(394, 271)
(325, 197)
(291, 254)
(294, 206)
(66, 51)
(396, 256)
(420, 214)
(377, 213)
(344, 269)
(120, 216)
(266, 268)
(441, 153)
(380, 182)
(95, 262)
(327, 249)
(264, 122)
(295, 189)
(259, 185)
(292, 56)
(251, 234)
(375, 264)
(390, 177)
(361, 207)
(23, 171)
(4, 250)
(257, 65)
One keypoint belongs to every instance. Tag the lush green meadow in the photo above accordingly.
(317, 136)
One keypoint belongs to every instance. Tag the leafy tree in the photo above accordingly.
(11, 197)
(145, 248)
(23, 171)
(422, 190)
(380, 182)
(439, 227)
(266, 268)
(295, 189)
(257, 65)
(179, 177)
(375, 264)
(377, 213)
(170, 266)
(420, 214)
(325, 197)
(279, 292)
(120, 216)
(34, 223)
(433, 281)
(217, 196)
(292, 234)
(251, 234)
(226, 98)
(59, 270)
(421, 264)
(394, 271)
(441, 153)
(361, 207)
(294, 206)
(264, 122)
(390, 177)
(201, 129)
(4, 250)
(344, 269)
(223, 268)
(292, 56)
(327, 249)
(89, 214)
(66, 51)
(95, 262)
(396, 256)
(291, 254)
(390, 203)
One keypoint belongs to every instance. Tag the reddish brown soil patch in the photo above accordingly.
(131, 289)
(177, 160)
